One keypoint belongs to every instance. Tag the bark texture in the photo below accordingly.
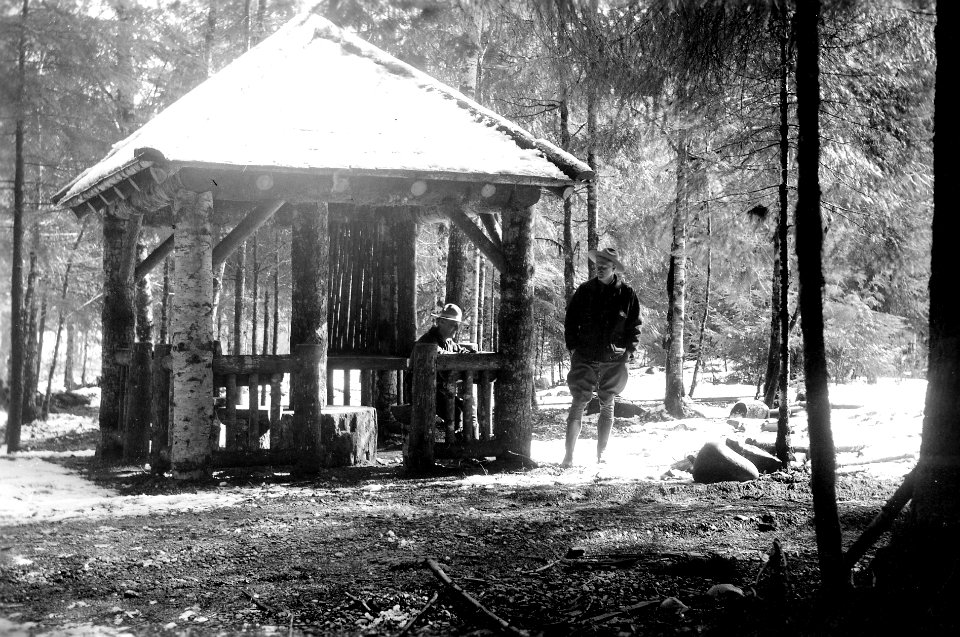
(191, 338)
(117, 318)
(308, 326)
(810, 269)
(676, 288)
(513, 424)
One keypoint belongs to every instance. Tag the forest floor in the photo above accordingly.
(628, 547)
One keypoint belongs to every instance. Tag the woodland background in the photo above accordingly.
(695, 129)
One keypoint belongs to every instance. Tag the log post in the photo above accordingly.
(117, 317)
(253, 412)
(234, 440)
(192, 337)
(330, 386)
(469, 417)
(484, 419)
(136, 439)
(418, 439)
(160, 409)
(308, 328)
(513, 425)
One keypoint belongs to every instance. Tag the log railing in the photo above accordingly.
(480, 369)
(245, 426)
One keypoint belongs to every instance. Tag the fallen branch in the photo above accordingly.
(500, 624)
(880, 524)
(903, 456)
(262, 605)
(363, 604)
(413, 620)
(599, 619)
(546, 567)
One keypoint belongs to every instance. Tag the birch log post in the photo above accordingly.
(192, 336)
(513, 425)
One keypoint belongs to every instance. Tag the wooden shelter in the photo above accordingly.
(356, 150)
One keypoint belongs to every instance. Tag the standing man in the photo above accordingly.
(602, 330)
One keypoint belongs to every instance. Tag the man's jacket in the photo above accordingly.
(603, 321)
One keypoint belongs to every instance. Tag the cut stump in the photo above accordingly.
(348, 436)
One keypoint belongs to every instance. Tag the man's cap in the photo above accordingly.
(451, 312)
(610, 254)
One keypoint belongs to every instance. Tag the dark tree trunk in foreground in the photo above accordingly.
(12, 437)
(930, 565)
(676, 289)
(810, 269)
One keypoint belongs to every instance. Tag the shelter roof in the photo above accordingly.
(315, 99)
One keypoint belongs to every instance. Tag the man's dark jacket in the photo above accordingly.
(603, 321)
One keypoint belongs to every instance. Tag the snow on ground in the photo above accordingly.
(885, 424)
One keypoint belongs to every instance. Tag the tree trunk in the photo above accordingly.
(165, 304)
(458, 268)
(254, 293)
(240, 268)
(309, 265)
(276, 290)
(567, 246)
(706, 306)
(29, 407)
(676, 287)
(936, 509)
(144, 301)
(810, 268)
(593, 236)
(783, 420)
(117, 319)
(191, 339)
(15, 408)
(772, 376)
(70, 355)
(513, 421)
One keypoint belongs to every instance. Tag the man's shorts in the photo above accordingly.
(587, 376)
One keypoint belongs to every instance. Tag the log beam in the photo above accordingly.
(243, 230)
(480, 240)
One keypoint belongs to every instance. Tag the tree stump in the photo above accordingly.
(348, 436)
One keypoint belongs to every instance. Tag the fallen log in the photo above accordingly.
(492, 619)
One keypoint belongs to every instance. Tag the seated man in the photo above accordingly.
(443, 334)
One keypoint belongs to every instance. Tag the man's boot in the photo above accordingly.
(604, 425)
(573, 432)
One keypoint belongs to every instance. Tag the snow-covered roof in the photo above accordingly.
(317, 99)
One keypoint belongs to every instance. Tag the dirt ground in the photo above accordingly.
(545, 551)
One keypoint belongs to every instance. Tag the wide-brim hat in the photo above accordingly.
(451, 312)
(610, 254)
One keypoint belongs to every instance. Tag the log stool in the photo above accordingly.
(348, 435)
